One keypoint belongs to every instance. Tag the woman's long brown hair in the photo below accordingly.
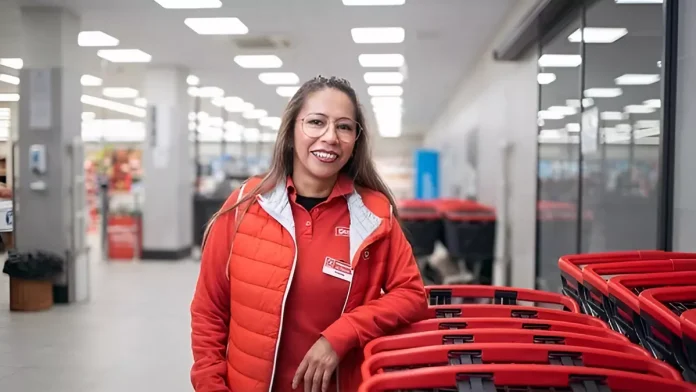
(359, 167)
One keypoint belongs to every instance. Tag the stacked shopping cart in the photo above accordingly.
(490, 339)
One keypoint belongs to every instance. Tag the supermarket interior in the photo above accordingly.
(537, 151)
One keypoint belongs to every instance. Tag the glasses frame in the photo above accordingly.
(359, 128)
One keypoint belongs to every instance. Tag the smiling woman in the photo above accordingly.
(303, 266)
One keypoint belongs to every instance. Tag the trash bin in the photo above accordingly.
(422, 225)
(31, 279)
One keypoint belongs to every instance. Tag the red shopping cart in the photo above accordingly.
(571, 269)
(512, 323)
(623, 295)
(595, 279)
(688, 330)
(497, 353)
(660, 311)
(444, 295)
(498, 335)
(536, 378)
(512, 311)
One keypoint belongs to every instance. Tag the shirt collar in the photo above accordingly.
(343, 187)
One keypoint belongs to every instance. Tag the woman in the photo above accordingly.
(301, 268)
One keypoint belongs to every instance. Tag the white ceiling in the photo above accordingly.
(444, 38)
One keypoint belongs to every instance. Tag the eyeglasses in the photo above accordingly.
(315, 125)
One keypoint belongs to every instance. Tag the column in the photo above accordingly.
(49, 195)
(168, 171)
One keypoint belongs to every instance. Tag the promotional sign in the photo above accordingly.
(427, 174)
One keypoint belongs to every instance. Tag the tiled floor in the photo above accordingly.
(133, 335)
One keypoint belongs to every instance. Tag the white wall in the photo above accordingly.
(499, 102)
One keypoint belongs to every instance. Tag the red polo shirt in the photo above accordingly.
(316, 299)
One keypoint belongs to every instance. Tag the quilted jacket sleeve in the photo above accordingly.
(210, 309)
(403, 303)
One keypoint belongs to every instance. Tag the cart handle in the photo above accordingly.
(502, 295)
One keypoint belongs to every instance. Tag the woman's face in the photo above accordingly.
(325, 134)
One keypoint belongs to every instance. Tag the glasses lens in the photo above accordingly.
(314, 125)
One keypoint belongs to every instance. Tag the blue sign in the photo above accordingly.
(427, 174)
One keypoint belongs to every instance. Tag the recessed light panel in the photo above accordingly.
(566, 110)
(612, 116)
(381, 60)
(189, 4)
(384, 77)
(114, 106)
(550, 115)
(598, 35)
(597, 92)
(275, 78)
(287, 91)
(385, 91)
(387, 101)
(90, 81)
(637, 79)
(546, 78)
(14, 63)
(560, 60)
(124, 55)
(120, 92)
(9, 97)
(655, 103)
(378, 35)
(258, 61)
(141, 102)
(96, 38)
(192, 80)
(217, 26)
(9, 79)
(373, 2)
(271, 122)
(255, 114)
(639, 109)
(210, 92)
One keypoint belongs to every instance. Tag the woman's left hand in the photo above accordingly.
(317, 367)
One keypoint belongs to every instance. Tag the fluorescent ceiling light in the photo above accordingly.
(586, 102)
(637, 79)
(639, 109)
(13, 63)
(384, 77)
(287, 91)
(192, 80)
(612, 116)
(210, 92)
(271, 122)
(546, 78)
(385, 91)
(274, 78)
(86, 116)
(654, 103)
(549, 115)
(572, 127)
(642, 124)
(373, 2)
(598, 35)
(232, 126)
(252, 135)
(9, 79)
(259, 61)
(234, 104)
(124, 55)
(9, 97)
(565, 110)
(378, 35)
(218, 101)
(255, 114)
(560, 60)
(217, 26)
(597, 92)
(114, 106)
(96, 38)
(189, 4)
(141, 102)
(120, 92)
(90, 81)
(267, 137)
(389, 124)
(387, 101)
(381, 60)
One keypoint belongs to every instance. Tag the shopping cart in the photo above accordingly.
(514, 353)
(660, 311)
(469, 235)
(571, 268)
(595, 277)
(623, 295)
(687, 321)
(512, 323)
(445, 295)
(536, 378)
(422, 225)
(498, 335)
(512, 311)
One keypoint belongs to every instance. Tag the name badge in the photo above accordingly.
(338, 269)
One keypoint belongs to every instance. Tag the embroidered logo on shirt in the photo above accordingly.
(366, 254)
(342, 232)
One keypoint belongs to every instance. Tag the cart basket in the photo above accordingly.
(536, 378)
(443, 295)
(687, 321)
(514, 353)
(512, 323)
(512, 311)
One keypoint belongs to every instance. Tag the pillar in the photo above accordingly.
(168, 171)
(49, 204)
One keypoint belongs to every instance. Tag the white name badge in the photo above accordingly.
(338, 269)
